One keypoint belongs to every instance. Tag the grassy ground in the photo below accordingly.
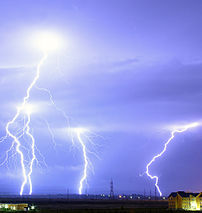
(141, 210)
(94, 206)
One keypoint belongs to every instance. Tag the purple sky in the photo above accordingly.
(130, 71)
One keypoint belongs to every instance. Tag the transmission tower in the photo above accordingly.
(111, 189)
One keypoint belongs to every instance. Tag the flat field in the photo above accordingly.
(45, 205)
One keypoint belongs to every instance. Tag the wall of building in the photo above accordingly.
(186, 203)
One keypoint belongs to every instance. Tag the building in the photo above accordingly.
(185, 200)
(16, 206)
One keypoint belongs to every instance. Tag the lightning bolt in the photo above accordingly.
(78, 131)
(45, 43)
(26, 172)
(84, 176)
(156, 178)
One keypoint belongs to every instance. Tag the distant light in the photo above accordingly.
(193, 205)
(79, 130)
(193, 125)
(47, 41)
(28, 109)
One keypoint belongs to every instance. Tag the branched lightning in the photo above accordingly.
(183, 129)
(51, 133)
(25, 130)
(78, 131)
(45, 43)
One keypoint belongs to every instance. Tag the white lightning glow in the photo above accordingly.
(80, 131)
(182, 129)
(28, 109)
(25, 108)
(47, 42)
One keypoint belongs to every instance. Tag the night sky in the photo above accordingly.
(130, 71)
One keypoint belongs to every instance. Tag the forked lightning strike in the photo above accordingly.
(183, 129)
(79, 132)
(45, 43)
(25, 130)
(87, 164)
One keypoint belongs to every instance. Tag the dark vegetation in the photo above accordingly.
(141, 210)
(45, 205)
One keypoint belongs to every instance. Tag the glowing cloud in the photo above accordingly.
(47, 41)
